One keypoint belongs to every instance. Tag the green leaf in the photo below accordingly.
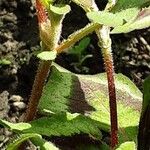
(126, 16)
(111, 19)
(64, 124)
(46, 3)
(35, 138)
(142, 20)
(88, 94)
(14, 145)
(15, 127)
(80, 48)
(127, 146)
(47, 55)
(60, 10)
(125, 4)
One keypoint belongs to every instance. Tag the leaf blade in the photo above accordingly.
(91, 99)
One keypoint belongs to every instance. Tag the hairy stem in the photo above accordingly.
(103, 34)
(105, 44)
(50, 31)
(108, 60)
(37, 88)
(75, 37)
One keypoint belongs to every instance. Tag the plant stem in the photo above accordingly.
(78, 35)
(103, 34)
(50, 31)
(105, 44)
(108, 60)
(37, 88)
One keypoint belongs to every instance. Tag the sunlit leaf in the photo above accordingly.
(127, 146)
(111, 19)
(142, 20)
(88, 95)
(60, 10)
(123, 21)
(47, 55)
(46, 3)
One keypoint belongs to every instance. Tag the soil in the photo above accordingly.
(19, 40)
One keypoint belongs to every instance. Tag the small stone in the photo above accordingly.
(145, 56)
(4, 104)
(2, 137)
(15, 98)
(14, 70)
(126, 58)
(19, 105)
(139, 57)
(132, 63)
(7, 132)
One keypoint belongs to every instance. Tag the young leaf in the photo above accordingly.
(88, 95)
(46, 3)
(47, 55)
(80, 48)
(113, 19)
(142, 20)
(60, 10)
(124, 19)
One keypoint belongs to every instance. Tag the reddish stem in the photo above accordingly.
(41, 12)
(39, 82)
(112, 99)
(42, 72)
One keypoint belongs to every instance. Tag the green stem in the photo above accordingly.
(75, 37)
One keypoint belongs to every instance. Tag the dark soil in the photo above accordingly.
(19, 39)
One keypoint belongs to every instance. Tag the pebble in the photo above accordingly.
(19, 105)
(15, 98)
(2, 137)
(126, 58)
(4, 104)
